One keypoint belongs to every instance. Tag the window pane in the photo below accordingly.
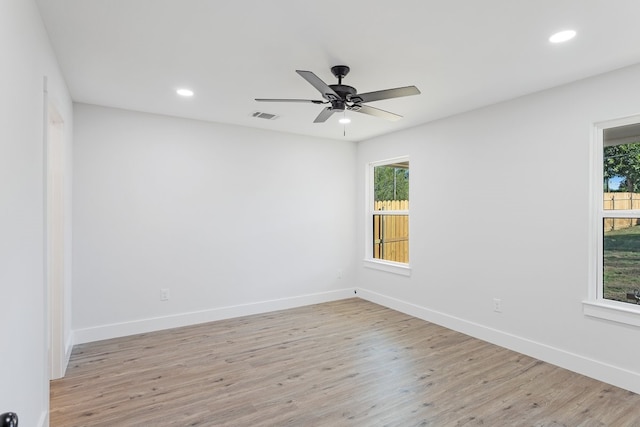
(391, 237)
(619, 200)
(621, 244)
(391, 186)
(621, 168)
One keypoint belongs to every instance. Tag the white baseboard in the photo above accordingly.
(116, 330)
(68, 349)
(44, 419)
(618, 377)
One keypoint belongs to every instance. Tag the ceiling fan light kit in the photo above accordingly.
(344, 97)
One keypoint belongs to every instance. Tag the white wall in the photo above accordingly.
(500, 208)
(26, 59)
(222, 216)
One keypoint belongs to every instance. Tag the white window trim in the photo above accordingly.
(388, 266)
(369, 261)
(595, 305)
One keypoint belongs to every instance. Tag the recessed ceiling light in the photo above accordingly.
(184, 92)
(344, 120)
(562, 36)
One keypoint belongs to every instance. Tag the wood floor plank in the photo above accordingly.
(344, 363)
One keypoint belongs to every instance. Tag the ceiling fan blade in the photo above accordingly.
(365, 109)
(316, 82)
(312, 101)
(324, 115)
(385, 94)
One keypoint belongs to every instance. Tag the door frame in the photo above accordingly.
(55, 247)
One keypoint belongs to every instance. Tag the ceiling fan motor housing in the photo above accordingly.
(344, 92)
(337, 104)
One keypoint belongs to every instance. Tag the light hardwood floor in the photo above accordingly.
(344, 363)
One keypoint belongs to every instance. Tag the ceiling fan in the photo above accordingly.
(343, 97)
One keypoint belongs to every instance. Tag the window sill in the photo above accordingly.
(612, 311)
(388, 266)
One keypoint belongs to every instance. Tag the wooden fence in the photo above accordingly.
(391, 232)
(620, 201)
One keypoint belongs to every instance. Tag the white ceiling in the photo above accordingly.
(461, 54)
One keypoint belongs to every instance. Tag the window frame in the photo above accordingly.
(369, 261)
(596, 305)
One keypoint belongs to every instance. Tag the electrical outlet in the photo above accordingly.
(339, 274)
(497, 305)
(164, 294)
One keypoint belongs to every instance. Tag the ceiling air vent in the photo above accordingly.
(266, 116)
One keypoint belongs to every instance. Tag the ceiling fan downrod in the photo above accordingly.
(340, 71)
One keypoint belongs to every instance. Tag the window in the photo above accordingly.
(388, 215)
(615, 293)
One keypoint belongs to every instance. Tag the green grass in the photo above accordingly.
(621, 263)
